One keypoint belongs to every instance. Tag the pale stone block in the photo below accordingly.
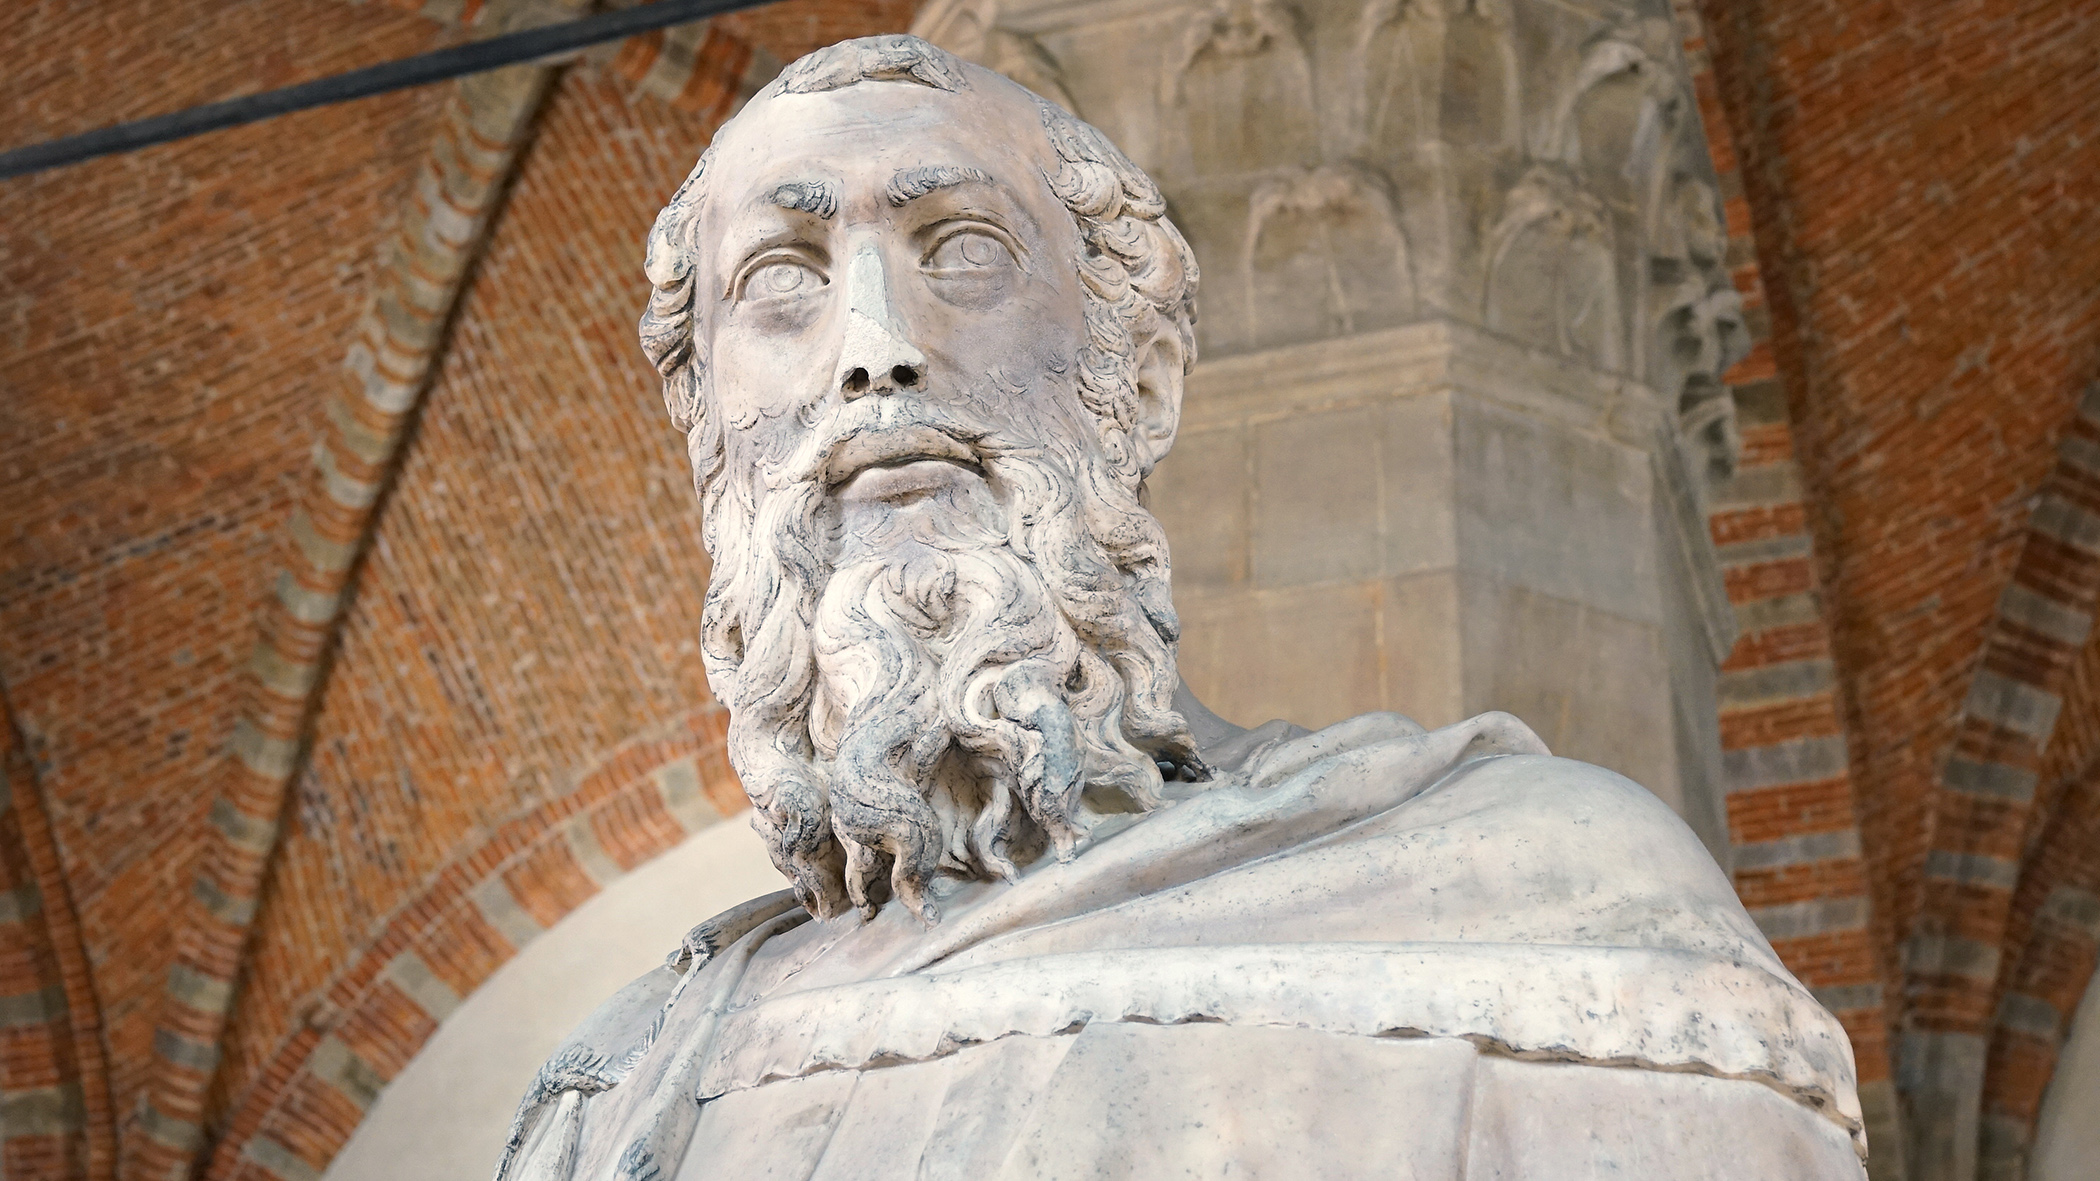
(278, 1159)
(1807, 849)
(40, 1111)
(2030, 1015)
(2077, 908)
(1594, 685)
(1309, 654)
(336, 1064)
(684, 796)
(2016, 706)
(1317, 510)
(1423, 663)
(1941, 1075)
(1817, 916)
(1801, 760)
(1553, 511)
(1989, 780)
(1882, 1112)
(1201, 498)
(2066, 625)
(1416, 442)
(30, 1009)
(1941, 954)
(1848, 998)
(411, 974)
(1975, 869)
(500, 909)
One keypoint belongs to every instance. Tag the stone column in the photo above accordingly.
(1464, 313)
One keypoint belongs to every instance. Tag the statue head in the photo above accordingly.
(926, 334)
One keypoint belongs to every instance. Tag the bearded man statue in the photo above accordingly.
(926, 334)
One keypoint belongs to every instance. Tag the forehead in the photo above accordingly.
(865, 133)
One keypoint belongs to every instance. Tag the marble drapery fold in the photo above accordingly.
(1430, 915)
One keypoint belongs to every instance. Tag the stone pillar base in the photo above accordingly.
(1438, 521)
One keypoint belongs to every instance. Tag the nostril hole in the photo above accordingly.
(905, 375)
(857, 381)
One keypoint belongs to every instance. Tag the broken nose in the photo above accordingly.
(874, 357)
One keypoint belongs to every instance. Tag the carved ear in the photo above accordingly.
(1160, 366)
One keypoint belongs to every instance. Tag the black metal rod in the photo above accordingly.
(421, 70)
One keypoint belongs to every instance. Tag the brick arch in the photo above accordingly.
(426, 268)
(1986, 804)
(2058, 905)
(472, 917)
(1797, 858)
(55, 1113)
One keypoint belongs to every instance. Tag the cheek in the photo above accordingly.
(1034, 326)
(763, 369)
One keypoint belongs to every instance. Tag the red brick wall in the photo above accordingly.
(1921, 179)
(380, 1005)
(789, 30)
(173, 320)
(1793, 813)
(532, 592)
(2052, 947)
(1922, 185)
(43, 1132)
(166, 317)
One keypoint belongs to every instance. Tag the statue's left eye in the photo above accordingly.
(969, 251)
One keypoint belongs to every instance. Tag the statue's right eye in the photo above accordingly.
(781, 277)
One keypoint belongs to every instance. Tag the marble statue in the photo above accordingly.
(926, 334)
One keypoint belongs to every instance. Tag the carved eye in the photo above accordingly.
(969, 250)
(781, 277)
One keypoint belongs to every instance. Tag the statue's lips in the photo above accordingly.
(893, 449)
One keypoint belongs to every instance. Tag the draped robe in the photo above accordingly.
(1366, 952)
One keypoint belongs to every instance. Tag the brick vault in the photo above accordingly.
(350, 572)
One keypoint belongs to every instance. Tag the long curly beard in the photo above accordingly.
(951, 686)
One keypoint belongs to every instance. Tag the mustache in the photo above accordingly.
(879, 429)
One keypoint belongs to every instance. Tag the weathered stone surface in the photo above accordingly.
(1506, 210)
(927, 336)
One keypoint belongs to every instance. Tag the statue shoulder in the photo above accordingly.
(1490, 778)
(598, 1053)
(1574, 831)
(1491, 760)
(1562, 792)
(592, 1059)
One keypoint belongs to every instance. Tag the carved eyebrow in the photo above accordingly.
(819, 197)
(913, 183)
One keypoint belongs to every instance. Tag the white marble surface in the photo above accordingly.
(2067, 1137)
(1376, 891)
(444, 1116)
(1211, 1101)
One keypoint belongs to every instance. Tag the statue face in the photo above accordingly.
(920, 412)
(895, 242)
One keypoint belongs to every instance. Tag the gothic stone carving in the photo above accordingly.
(1530, 167)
